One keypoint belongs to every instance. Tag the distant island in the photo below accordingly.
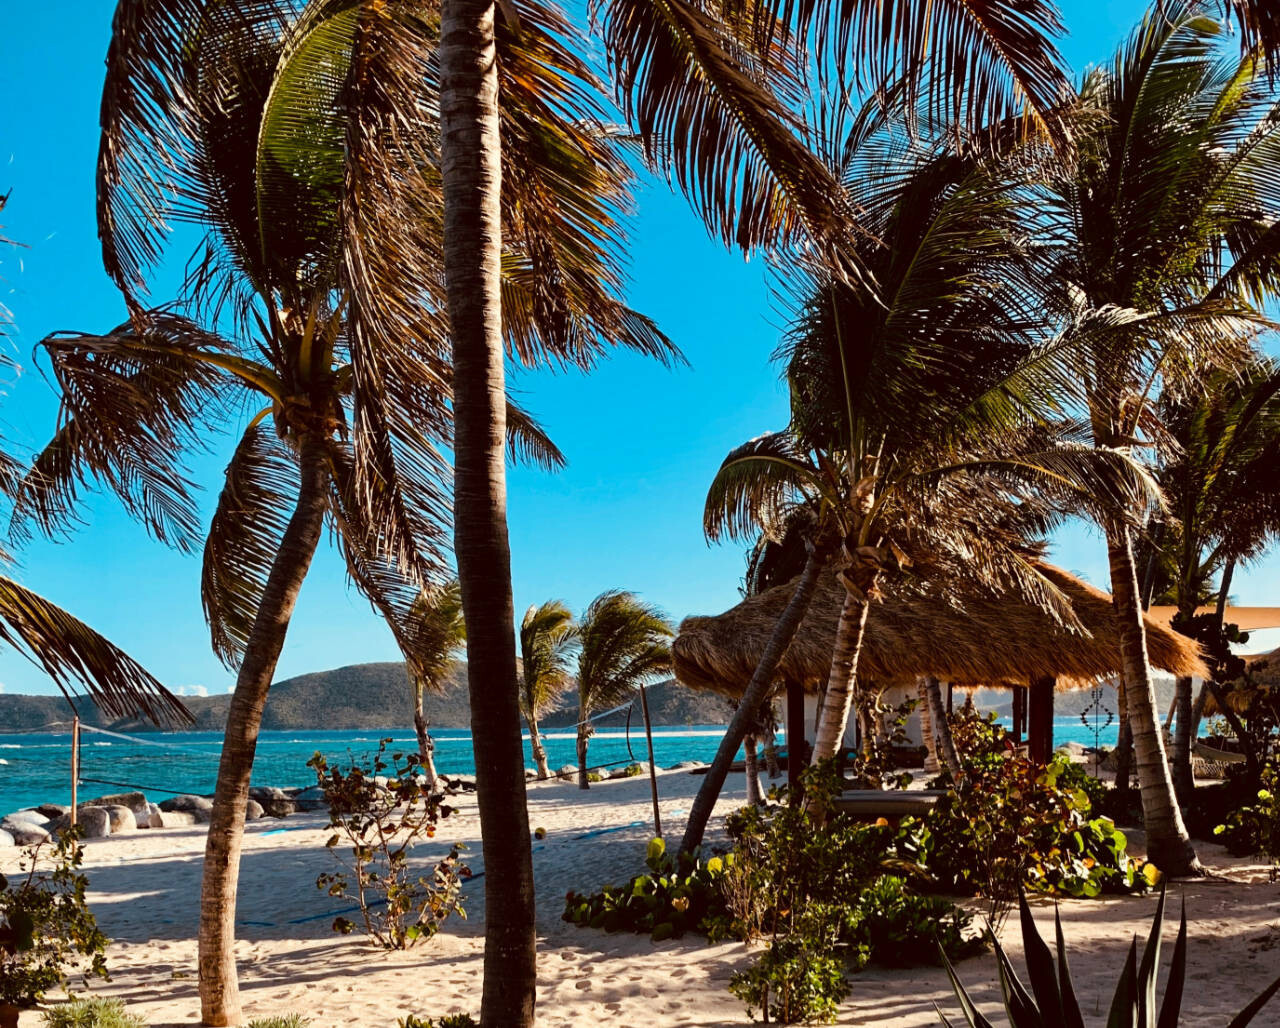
(359, 696)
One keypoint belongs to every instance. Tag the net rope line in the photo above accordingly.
(629, 759)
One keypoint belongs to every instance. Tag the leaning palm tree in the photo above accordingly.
(622, 644)
(548, 636)
(439, 635)
(914, 413)
(303, 138)
(1167, 223)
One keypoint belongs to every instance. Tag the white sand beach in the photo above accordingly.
(145, 888)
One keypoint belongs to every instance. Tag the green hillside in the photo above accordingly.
(360, 696)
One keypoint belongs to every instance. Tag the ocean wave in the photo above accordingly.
(3, 761)
(9, 746)
(100, 744)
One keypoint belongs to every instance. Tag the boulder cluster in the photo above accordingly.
(130, 811)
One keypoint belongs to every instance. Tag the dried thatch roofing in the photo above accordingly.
(985, 640)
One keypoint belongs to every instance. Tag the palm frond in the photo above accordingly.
(758, 483)
(622, 643)
(244, 538)
(548, 637)
(70, 652)
(132, 402)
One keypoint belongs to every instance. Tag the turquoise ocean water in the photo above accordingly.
(36, 768)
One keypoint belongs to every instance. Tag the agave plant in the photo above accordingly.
(1051, 1000)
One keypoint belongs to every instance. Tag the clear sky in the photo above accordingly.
(643, 442)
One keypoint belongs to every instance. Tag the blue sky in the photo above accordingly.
(642, 442)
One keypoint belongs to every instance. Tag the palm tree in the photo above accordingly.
(622, 644)
(548, 636)
(439, 635)
(912, 412)
(1167, 226)
(303, 139)
(1224, 501)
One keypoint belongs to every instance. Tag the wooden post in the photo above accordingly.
(796, 748)
(1040, 718)
(653, 774)
(75, 764)
(951, 688)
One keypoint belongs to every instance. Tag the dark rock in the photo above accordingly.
(122, 818)
(253, 810)
(135, 801)
(24, 832)
(277, 807)
(52, 810)
(200, 806)
(311, 799)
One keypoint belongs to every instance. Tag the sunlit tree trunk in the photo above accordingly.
(931, 765)
(219, 990)
(539, 751)
(471, 172)
(426, 748)
(752, 767)
(838, 699)
(944, 744)
(771, 747)
(1168, 845)
(755, 695)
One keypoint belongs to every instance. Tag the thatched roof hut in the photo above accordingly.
(978, 640)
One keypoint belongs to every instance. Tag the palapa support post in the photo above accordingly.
(951, 690)
(795, 734)
(653, 774)
(1040, 718)
(75, 764)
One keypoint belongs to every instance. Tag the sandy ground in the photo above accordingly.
(145, 890)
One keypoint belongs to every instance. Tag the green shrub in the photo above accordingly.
(1255, 829)
(46, 927)
(632, 770)
(1007, 824)
(381, 823)
(899, 928)
(280, 1021)
(796, 981)
(448, 1021)
(91, 1012)
(676, 896)
(594, 776)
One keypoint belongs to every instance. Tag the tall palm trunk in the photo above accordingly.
(752, 767)
(838, 699)
(931, 765)
(584, 733)
(770, 747)
(472, 177)
(1168, 845)
(944, 745)
(219, 990)
(426, 748)
(756, 693)
(539, 751)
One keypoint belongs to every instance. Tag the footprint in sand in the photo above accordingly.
(585, 983)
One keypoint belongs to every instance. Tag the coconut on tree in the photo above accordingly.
(548, 637)
(622, 644)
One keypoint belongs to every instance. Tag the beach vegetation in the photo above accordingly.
(548, 637)
(380, 810)
(1049, 996)
(622, 643)
(1254, 828)
(448, 1021)
(439, 636)
(1008, 824)
(90, 1012)
(280, 1021)
(797, 980)
(47, 930)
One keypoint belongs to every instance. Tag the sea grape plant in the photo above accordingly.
(1050, 1000)
(383, 809)
(46, 927)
